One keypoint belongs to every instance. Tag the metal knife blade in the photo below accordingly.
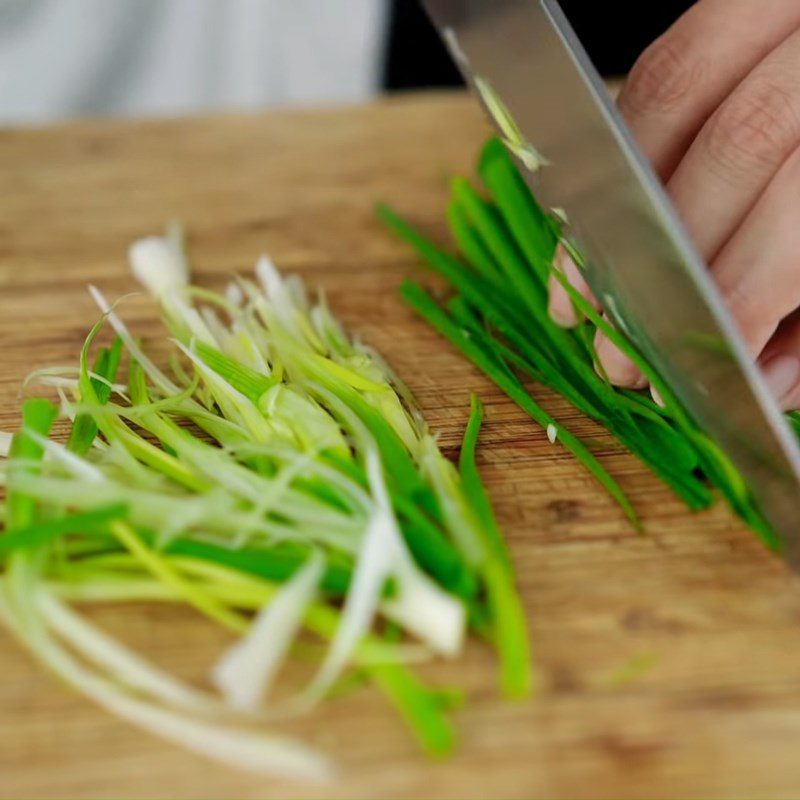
(577, 154)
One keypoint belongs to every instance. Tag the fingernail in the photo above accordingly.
(562, 315)
(565, 263)
(621, 371)
(559, 305)
(781, 374)
(657, 399)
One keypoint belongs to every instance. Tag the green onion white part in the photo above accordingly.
(246, 671)
(277, 479)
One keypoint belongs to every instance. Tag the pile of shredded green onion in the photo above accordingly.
(497, 316)
(275, 477)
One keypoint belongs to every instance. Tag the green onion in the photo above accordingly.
(497, 316)
(278, 480)
(509, 618)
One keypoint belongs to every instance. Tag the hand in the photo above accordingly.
(715, 105)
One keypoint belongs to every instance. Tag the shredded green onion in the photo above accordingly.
(497, 316)
(278, 480)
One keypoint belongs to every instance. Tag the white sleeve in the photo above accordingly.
(62, 58)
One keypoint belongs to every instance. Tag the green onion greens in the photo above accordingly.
(497, 317)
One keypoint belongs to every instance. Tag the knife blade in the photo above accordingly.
(550, 106)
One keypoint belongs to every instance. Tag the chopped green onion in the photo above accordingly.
(498, 318)
(277, 479)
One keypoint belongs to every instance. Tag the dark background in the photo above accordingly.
(614, 33)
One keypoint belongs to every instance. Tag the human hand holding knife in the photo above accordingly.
(715, 105)
(579, 156)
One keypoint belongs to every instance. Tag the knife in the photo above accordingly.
(550, 106)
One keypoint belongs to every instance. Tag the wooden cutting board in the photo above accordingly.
(718, 712)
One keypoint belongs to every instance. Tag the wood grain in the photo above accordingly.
(718, 715)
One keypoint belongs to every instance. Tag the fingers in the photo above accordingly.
(780, 364)
(758, 274)
(674, 89)
(683, 77)
(740, 149)
(712, 103)
(758, 270)
(615, 364)
(560, 306)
